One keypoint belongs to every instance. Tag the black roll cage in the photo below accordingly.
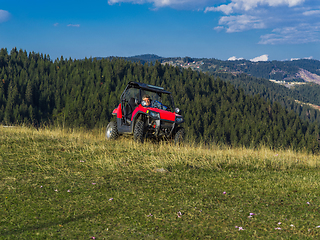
(147, 87)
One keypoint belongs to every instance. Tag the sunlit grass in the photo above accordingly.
(67, 183)
(110, 154)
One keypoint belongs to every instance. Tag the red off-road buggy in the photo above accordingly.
(160, 120)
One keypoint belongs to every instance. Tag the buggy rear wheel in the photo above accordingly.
(112, 131)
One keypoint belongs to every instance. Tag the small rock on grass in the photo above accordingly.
(161, 170)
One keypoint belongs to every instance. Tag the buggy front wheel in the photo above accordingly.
(112, 131)
(139, 133)
(179, 136)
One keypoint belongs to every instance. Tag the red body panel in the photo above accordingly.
(117, 111)
(164, 115)
(138, 109)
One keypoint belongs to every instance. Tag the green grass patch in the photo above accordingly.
(74, 185)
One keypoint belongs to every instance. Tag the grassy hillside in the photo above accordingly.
(68, 184)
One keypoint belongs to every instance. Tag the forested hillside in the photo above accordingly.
(311, 92)
(83, 93)
(278, 93)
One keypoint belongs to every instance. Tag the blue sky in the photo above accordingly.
(221, 29)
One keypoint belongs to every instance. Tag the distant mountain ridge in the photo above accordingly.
(291, 71)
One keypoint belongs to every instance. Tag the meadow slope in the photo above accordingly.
(69, 184)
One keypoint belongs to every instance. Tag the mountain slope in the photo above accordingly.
(278, 70)
(295, 70)
(308, 76)
(83, 93)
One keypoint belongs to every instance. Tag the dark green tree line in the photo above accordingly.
(82, 93)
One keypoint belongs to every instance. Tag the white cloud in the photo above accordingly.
(234, 58)
(311, 13)
(262, 58)
(241, 22)
(73, 25)
(4, 16)
(227, 9)
(247, 5)
(303, 33)
(219, 28)
(289, 21)
(56, 24)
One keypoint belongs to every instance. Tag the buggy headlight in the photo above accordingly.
(155, 115)
(179, 120)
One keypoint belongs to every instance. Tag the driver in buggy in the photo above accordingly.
(146, 101)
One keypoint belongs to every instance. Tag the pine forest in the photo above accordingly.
(37, 91)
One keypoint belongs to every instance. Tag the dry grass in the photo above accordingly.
(124, 152)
